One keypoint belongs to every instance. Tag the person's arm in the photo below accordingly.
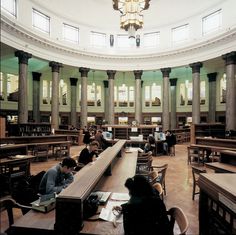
(51, 183)
(69, 178)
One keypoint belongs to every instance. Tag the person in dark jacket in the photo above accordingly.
(169, 142)
(101, 140)
(87, 137)
(144, 213)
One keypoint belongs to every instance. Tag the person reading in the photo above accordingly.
(58, 177)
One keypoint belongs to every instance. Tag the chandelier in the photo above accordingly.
(131, 18)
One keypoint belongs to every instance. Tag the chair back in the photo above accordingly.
(177, 215)
(196, 172)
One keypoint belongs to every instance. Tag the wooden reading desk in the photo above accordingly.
(217, 204)
(67, 217)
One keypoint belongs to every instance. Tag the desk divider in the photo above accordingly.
(69, 203)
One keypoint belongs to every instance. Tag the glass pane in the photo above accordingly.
(223, 89)
(182, 94)
(115, 95)
(151, 39)
(71, 33)
(180, 34)
(41, 21)
(123, 95)
(9, 6)
(45, 91)
(91, 94)
(64, 94)
(12, 87)
(99, 95)
(147, 95)
(156, 95)
(190, 93)
(212, 22)
(131, 93)
(203, 92)
(98, 39)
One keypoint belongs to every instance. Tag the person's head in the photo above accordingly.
(151, 139)
(139, 186)
(68, 164)
(99, 132)
(93, 146)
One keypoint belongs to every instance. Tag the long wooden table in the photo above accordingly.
(219, 167)
(86, 180)
(217, 204)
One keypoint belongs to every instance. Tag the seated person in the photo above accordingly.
(58, 177)
(144, 213)
(169, 142)
(103, 143)
(149, 146)
(87, 137)
(89, 154)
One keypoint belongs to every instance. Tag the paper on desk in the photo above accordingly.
(107, 214)
(120, 196)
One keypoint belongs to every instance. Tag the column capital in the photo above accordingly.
(196, 67)
(138, 74)
(111, 74)
(73, 81)
(84, 71)
(173, 81)
(230, 58)
(36, 76)
(166, 72)
(23, 56)
(105, 82)
(212, 77)
(55, 66)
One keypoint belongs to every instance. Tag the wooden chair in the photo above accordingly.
(195, 154)
(196, 172)
(8, 204)
(161, 171)
(177, 215)
(62, 151)
(41, 151)
(144, 163)
(13, 172)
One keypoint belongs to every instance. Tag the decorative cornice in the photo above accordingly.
(13, 34)
(212, 77)
(138, 74)
(73, 81)
(55, 66)
(111, 74)
(84, 71)
(173, 81)
(166, 72)
(105, 82)
(196, 67)
(23, 56)
(36, 76)
(230, 58)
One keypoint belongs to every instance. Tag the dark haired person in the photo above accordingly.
(169, 142)
(89, 154)
(58, 177)
(103, 143)
(144, 213)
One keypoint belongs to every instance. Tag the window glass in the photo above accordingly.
(9, 6)
(91, 94)
(131, 96)
(147, 95)
(41, 21)
(223, 89)
(63, 88)
(180, 34)
(98, 39)
(182, 93)
(203, 92)
(99, 95)
(151, 39)
(190, 93)
(12, 87)
(45, 91)
(115, 95)
(70, 33)
(212, 22)
(123, 95)
(1, 86)
(156, 95)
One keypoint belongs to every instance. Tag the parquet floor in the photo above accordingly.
(178, 184)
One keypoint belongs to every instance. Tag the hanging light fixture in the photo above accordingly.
(131, 19)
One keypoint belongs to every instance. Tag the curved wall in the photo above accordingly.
(20, 34)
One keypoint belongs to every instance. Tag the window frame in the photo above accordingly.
(39, 13)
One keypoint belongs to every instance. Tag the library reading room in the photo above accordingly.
(118, 117)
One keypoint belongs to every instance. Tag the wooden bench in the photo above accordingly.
(219, 167)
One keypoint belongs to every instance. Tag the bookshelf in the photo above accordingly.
(215, 130)
(30, 129)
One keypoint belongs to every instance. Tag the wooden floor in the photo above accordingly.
(178, 184)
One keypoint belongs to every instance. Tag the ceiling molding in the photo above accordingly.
(19, 37)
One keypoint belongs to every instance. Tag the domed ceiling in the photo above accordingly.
(100, 14)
